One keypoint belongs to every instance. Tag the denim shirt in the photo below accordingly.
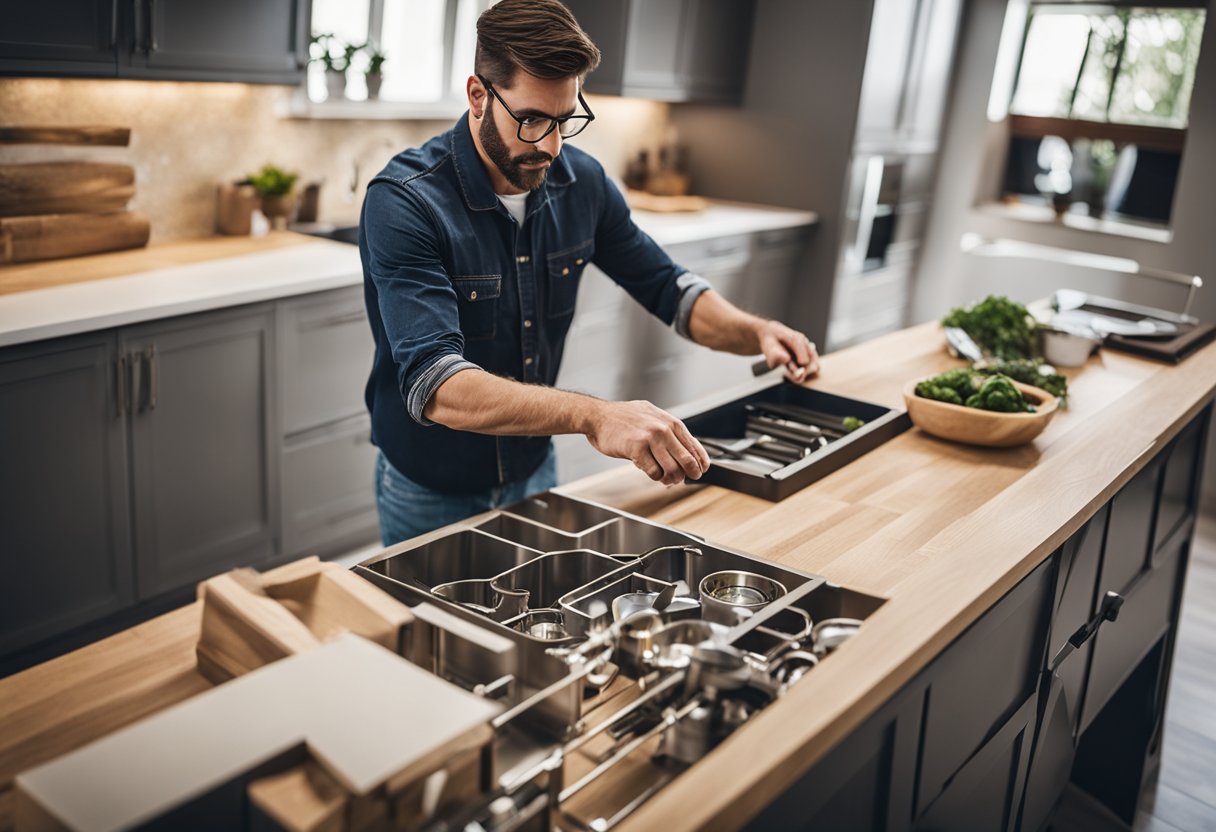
(451, 282)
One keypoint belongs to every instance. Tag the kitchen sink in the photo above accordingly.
(339, 233)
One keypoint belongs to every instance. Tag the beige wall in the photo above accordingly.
(187, 137)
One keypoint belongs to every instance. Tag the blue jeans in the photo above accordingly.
(408, 509)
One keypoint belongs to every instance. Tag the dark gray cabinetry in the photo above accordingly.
(669, 50)
(225, 40)
(220, 40)
(64, 527)
(59, 37)
(865, 783)
(201, 441)
(994, 729)
(325, 352)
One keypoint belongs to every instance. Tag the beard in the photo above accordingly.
(508, 166)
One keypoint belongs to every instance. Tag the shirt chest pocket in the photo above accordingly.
(565, 269)
(477, 299)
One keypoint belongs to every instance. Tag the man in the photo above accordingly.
(472, 249)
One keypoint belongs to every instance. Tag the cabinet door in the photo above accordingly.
(864, 783)
(58, 37)
(221, 40)
(654, 51)
(64, 527)
(204, 482)
(716, 49)
(325, 358)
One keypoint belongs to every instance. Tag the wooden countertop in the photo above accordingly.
(44, 274)
(941, 530)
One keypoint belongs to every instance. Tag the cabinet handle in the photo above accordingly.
(152, 46)
(121, 388)
(337, 320)
(1107, 611)
(137, 34)
(150, 357)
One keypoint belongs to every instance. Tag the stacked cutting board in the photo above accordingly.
(50, 210)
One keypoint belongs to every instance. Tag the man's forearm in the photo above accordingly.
(720, 325)
(477, 401)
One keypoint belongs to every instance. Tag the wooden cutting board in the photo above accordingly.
(51, 236)
(119, 136)
(64, 188)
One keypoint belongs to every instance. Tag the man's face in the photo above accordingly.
(524, 164)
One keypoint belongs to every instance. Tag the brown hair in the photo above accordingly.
(541, 37)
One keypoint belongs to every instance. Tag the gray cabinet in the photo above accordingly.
(203, 475)
(325, 353)
(64, 527)
(669, 50)
(221, 40)
(225, 40)
(69, 37)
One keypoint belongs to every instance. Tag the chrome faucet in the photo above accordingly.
(352, 188)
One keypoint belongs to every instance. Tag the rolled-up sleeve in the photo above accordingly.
(417, 303)
(629, 256)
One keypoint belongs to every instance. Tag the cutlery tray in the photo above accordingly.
(729, 420)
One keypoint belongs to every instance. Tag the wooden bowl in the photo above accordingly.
(981, 427)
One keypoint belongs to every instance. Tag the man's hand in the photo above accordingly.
(650, 438)
(787, 347)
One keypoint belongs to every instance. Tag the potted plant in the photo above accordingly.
(335, 57)
(374, 72)
(275, 187)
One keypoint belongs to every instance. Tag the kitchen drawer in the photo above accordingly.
(781, 238)
(329, 489)
(1180, 480)
(1120, 645)
(987, 791)
(982, 679)
(597, 292)
(1129, 531)
(722, 252)
(326, 355)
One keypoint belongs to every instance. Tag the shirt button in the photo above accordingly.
(473, 295)
(566, 271)
(523, 258)
(528, 360)
(527, 324)
(578, 262)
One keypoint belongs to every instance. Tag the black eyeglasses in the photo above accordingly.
(534, 128)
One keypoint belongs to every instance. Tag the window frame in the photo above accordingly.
(450, 104)
(1170, 139)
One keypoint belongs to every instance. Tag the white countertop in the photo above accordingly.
(283, 272)
(719, 220)
(180, 290)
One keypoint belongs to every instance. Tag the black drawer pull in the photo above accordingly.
(1107, 611)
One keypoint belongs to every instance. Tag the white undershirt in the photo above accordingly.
(517, 204)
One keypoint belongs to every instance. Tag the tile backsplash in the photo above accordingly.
(188, 137)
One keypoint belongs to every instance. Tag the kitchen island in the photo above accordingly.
(967, 546)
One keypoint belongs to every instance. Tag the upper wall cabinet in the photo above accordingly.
(222, 40)
(669, 50)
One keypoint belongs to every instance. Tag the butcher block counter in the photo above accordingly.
(943, 532)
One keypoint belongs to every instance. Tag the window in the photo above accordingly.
(428, 46)
(1100, 106)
